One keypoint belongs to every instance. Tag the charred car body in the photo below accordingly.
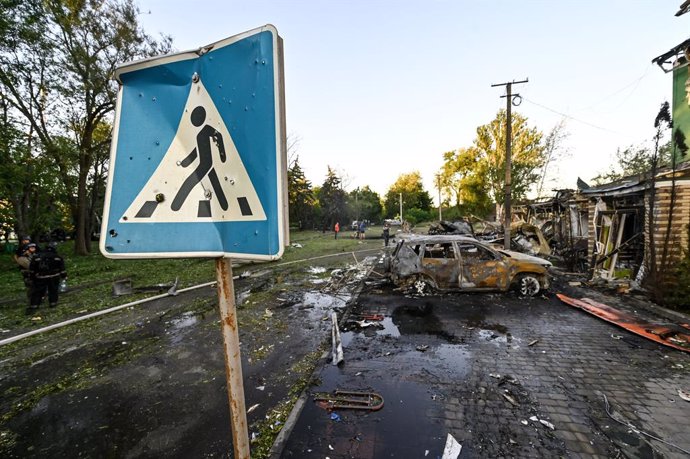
(445, 262)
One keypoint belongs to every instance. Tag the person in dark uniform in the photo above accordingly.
(46, 270)
(386, 233)
(22, 256)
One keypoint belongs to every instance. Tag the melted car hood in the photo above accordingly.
(524, 257)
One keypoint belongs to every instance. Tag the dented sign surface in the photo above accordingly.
(198, 165)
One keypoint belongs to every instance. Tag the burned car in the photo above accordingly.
(449, 262)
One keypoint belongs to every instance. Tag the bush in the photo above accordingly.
(416, 215)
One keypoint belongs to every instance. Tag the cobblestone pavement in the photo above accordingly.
(480, 366)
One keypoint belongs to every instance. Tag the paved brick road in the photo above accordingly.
(481, 381)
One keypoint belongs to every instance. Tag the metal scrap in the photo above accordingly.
(347, 399)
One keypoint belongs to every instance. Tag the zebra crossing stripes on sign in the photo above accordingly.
(198, 161)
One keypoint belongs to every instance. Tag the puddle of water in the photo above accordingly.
(179, 325)
(389, 328)
(455, 358)
(500, 340)
(323, 300)
(318, 304)
(346, 338)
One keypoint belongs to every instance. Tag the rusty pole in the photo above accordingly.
(233, 362)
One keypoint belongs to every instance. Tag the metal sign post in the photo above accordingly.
(233, 362)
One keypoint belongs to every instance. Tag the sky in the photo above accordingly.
(375, 89)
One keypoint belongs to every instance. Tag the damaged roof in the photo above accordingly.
(625, 185)
(673, 57)
(636, 183)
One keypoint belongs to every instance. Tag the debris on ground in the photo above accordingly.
(125, 287)
(685, 395)
(543, 421)
(296, 245)
(676, 336)
(452, 449)
(252, 408)
(353, 400)
(422, 347)
(533, 342)
(337, 351)
(509, 396)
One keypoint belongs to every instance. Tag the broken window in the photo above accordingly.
(440, 250)
(472, 253)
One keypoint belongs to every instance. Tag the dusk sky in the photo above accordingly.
(379, 88)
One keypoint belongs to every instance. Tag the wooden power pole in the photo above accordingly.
(509, 134)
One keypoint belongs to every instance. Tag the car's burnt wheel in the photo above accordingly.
(527, 285)
(423, 286)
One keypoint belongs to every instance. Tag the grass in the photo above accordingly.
(90, 277)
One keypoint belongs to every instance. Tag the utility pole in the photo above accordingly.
(401, 219)
(438, 185)
(511, 99)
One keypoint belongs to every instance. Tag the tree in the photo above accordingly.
(332, 199)
(57, 58)
(634, 160)
(475, 176)
(364, 204)
(459, 179)
(414, 195)
(31, 193)
(300, 195)
(553, 153)
(528, 156)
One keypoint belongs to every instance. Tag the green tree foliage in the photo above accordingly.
(301, 196)
(474, 177)
(30, 192)
(460, 181)
(414, 196)
(527, 156)
(331, 198)
(56, 63)
(364, 204)
(633, 160)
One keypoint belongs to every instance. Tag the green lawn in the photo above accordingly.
(90, 277)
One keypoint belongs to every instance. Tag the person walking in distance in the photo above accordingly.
(386, 234)
(336, 228)
(205, 166)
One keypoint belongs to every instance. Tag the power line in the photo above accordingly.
(635, 82)
(565, 115)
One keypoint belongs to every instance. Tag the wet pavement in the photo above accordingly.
(496, 371)
(149, 381)
(493, 370)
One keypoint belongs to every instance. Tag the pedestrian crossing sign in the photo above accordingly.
(198, 157)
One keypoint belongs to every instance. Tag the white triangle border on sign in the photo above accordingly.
(156, 201)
